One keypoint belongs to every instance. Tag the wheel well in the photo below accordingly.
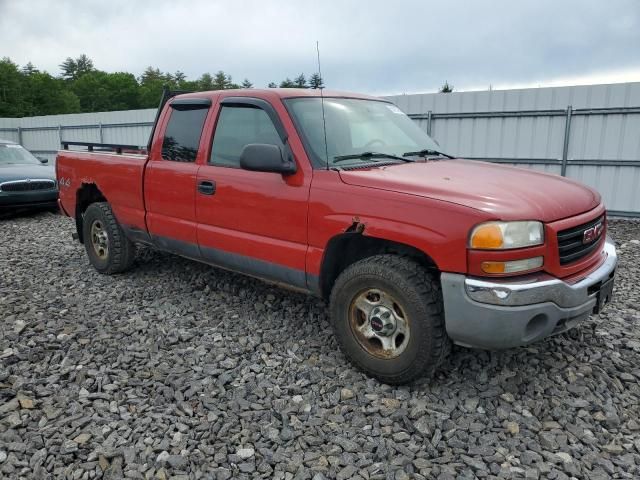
(347, 248)
(87, 194)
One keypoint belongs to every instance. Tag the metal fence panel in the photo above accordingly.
(8, 129)
(618, 185)
(527, 127)
(11, 135)
(42, 135)
(613, 136)
(127, 135)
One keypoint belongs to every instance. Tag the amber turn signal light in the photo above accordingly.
(487, 236)
(513, 266)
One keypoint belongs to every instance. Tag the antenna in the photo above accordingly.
(324, 122)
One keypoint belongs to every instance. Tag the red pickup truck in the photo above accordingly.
(345, 197)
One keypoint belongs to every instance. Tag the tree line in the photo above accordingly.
(80, 87)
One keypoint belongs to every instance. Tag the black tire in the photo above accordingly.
(419, 299)
(120, 252)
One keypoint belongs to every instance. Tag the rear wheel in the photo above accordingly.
(108, 249)
(387, 315)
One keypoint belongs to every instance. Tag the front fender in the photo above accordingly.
(448, 252)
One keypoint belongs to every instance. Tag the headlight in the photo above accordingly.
(505, 235)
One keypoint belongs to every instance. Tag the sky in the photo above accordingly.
(370, 46)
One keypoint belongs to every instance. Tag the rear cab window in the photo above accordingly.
(182, 135)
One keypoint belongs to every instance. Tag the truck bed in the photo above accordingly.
(117, 177)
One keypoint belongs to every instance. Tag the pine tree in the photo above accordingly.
(83, 65)
(220, 81)
(29, 69)
(205, 82)
(246, 83)
(230, 83)
(300, 81)
(446, 88)
(315, 81)
(69, 68)
(287, 83)
(151, 74)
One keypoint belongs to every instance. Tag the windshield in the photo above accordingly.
(354, 127)
(12, 154)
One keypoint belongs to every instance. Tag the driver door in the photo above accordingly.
(249, 221)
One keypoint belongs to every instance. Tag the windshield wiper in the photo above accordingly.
(368, 155)
(425, 152)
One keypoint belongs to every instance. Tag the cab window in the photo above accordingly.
(237, 127)
(182, 136)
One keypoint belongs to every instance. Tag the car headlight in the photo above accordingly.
(506, 235)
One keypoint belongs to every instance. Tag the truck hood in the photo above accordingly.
(503, 192)
(24, 171)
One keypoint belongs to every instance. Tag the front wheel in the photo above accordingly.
(387, 314)
(108, 249)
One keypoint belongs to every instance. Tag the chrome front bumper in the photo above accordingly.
(504, 313)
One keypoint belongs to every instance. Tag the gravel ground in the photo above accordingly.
(178, 370)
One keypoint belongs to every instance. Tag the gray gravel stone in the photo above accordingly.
(178, 370)
(245, 453)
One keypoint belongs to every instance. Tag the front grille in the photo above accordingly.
(27, 185)
(571, 245)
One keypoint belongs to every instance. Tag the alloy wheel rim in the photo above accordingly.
(99, 239)
(379, 323)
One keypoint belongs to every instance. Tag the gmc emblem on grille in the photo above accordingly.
(590, 235)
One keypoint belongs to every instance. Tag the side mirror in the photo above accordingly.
(43, 160)
(263, 157)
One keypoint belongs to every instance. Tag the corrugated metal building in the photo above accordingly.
(589, 133)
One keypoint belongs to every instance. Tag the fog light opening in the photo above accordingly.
(536, 327)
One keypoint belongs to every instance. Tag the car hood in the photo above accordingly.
(503, 192)
(25, 171)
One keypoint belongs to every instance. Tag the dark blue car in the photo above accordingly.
(25, 181)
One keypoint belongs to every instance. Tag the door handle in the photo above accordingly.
(207, 187)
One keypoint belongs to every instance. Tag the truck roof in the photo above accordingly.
(278, 93)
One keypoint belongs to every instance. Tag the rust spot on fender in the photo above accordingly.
(356, 226)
